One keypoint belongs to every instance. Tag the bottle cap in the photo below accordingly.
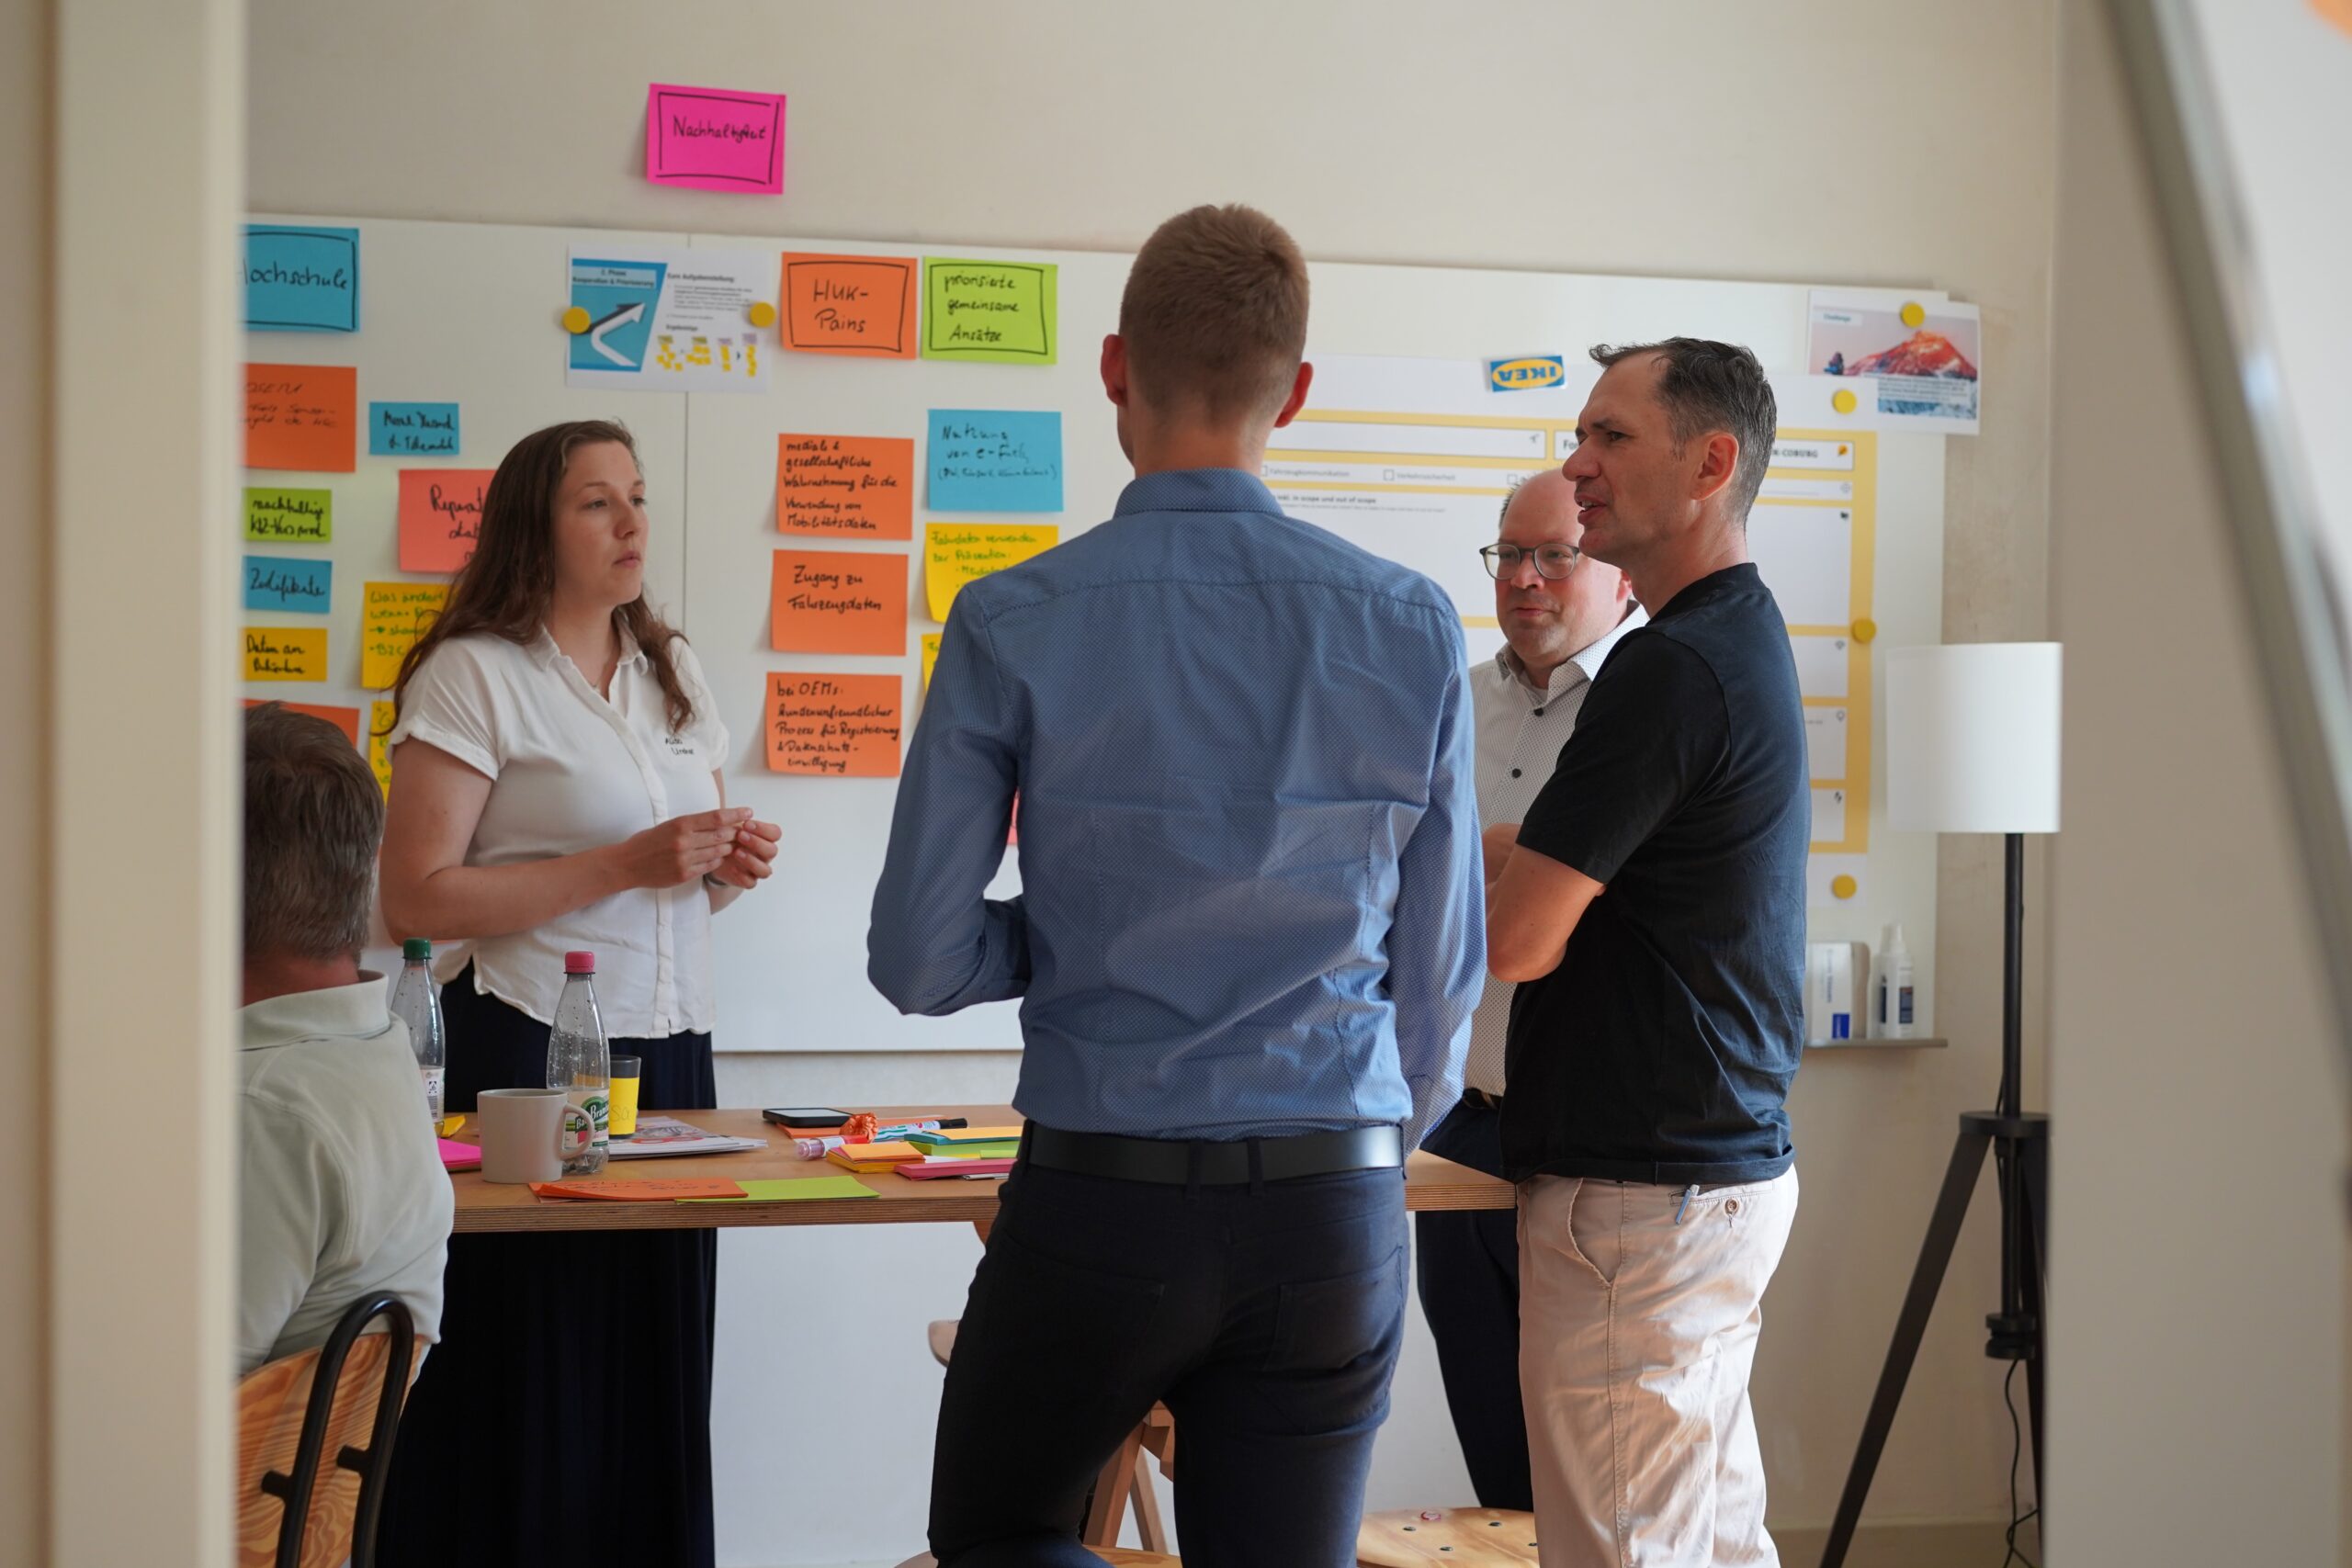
(416, 949)
(580, 963)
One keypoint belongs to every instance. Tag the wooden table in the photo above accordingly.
(1430, 1183)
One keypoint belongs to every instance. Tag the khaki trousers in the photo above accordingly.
(1638, 1330)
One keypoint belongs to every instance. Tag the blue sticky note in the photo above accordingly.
(995, 460)
(302, 280)
(412, 430)
(288, 583)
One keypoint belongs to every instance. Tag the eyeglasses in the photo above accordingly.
(1552, 562)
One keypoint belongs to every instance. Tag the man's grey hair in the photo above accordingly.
(314, 818)
(1708, 386)
(1517, 484)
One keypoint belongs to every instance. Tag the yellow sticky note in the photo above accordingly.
(392, 616)
(959, 553)
(379, 757)
(286, 653)
(930, 656)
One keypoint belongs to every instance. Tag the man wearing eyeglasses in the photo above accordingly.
(1561, 612)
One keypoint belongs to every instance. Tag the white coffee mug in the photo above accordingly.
(522, 1133)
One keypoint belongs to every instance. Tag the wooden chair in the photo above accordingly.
(292, 1512)
(1125, 1477)
(1460, 1538)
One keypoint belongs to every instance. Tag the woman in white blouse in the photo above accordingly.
(557, 786)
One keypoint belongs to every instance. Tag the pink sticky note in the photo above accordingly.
(713, 140)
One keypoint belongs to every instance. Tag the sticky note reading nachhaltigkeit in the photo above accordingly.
(285, 653)
(412, 429)
(836, 602)
(304, 417)
(859, 486)
(287, 516)
(344, 720)
(392, 616)
(956, 553)
(988, 310)
(302, 280)
(290, 582)
(860, 305)
(993, 460)
(380, 755)
(711, 139)
(834, 725)
(440, 516)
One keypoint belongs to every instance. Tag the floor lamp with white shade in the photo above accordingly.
(1971, 747)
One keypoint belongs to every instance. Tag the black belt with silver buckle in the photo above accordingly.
(1179, 1164)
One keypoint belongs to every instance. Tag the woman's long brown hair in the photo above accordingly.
(508, 586)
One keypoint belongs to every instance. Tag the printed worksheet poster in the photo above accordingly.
(670, 321)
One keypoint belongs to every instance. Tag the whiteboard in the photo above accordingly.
(469, 313)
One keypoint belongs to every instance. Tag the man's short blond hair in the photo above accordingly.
(1215, 315)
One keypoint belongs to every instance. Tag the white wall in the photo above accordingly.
(2196, 1329)
(1819, 139)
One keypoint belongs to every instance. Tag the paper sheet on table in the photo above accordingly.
(304, 417)
(998, 311)
(790, 1188)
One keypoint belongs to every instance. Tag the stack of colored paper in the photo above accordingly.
(969, 1165)
(873, 1157)
(951, 1137)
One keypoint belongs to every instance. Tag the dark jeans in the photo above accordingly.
(1468, 1273)
(1267, 1319)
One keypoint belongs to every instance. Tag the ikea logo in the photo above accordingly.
(1525, 374)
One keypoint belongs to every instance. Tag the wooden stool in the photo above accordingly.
(1125, 1480)
(1463, 1538)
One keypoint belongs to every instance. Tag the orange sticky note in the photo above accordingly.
(834, 725)
(835, 601)
(440, 516)
(344, 720)
(859, 486)
(863, 305)
(285, 653)
(304, 417)
(628, 1190)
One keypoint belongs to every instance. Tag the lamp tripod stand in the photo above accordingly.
(2020, 1144)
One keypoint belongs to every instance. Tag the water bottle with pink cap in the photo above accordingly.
(580, 1064)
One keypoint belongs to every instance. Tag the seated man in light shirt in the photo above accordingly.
(1562, 613)
(340, 1190)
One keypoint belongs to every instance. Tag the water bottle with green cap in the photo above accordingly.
(416, 1001)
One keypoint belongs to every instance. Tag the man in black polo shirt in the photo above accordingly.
(1652, 909)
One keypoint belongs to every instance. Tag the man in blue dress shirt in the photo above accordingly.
(1248, 942)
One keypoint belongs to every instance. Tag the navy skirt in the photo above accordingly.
(564, 1417)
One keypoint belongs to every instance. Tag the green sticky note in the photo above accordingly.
(1009, 1149)
(1001, 311)
(280, 515)
(786, 1189)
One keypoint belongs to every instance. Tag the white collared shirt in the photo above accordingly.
(340, 1190)
(570, 772)
(1521, 731)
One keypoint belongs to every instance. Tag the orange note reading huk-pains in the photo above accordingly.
(838, 602)
(834, 725)
(862, 305)
(860, 487)
(304, 417)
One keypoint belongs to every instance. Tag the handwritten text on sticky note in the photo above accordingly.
(856, 486)
(840, 726)
(302, 280)
(282, 516)
(956, 553)
(412, 430)
(381, 718)
(988, 310)
(835, 601)
(440, 515)
(290, 582)
(994, 460)
(860, 305)
(708, 139)
(392, 616)
(304, 417)
(285, 653)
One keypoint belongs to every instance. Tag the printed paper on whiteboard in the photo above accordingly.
(1927, 368)
(670, 321)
